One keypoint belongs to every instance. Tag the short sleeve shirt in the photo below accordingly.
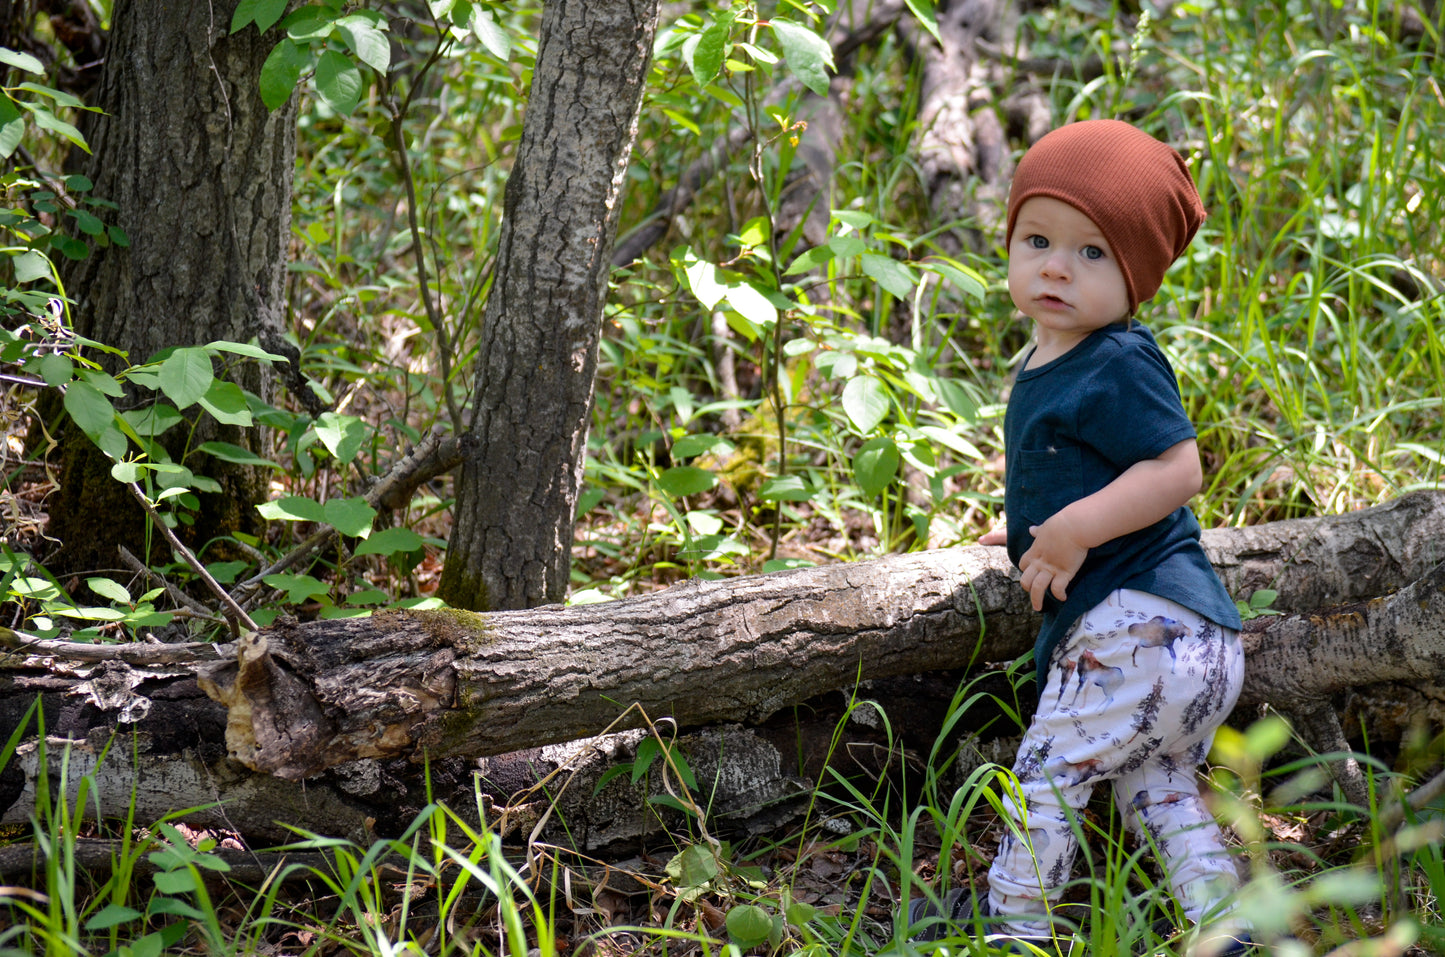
(1075, 424)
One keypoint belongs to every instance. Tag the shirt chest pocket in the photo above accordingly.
(1050, 479)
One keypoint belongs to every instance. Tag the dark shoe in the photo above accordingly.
(958, 905)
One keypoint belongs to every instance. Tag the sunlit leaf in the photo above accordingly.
(226, 403)
(185, 376)
(889, 273)
(88, 408)
(341, 434)
(809, 56)
(350, 516)
(684, 480)
(875, 465)
(389, 541)
(263, 13)
(293, 508)
(339, 82)
(366, 40)
(865, 402)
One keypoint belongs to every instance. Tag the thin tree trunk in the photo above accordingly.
(511, 542)
(201, 174)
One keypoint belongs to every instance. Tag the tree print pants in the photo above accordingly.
(1135, 692)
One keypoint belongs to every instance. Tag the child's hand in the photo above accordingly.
(994, 536)
(1052, 561)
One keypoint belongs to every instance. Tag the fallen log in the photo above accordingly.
(365, 698)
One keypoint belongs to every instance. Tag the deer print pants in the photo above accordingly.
(1135, 692)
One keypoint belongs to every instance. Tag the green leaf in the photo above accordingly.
(185, 376)
(174, 882)
(339, 82)
(684, 480)
(89, 409)
(875, 465)
(153, 420)
(389, 541)
(369, 43)
(748, 925)
(310, 22)
(226, 403)
(866, 402)
(30, 266)
(244, 349)
(712, 43)
(889, 273)
(56, 369)
(89, 223)
(227, 452)
(281, 72)
(693, 867)
(959, 402)
(350, 516)
(786, 488)
(341, 434)
(298, 588)
(21, 61)
(752, 304)
(104, 382)
(799, 913)
(106, 588)
(263, 13)
(293, 508)
(691, 445)
(809, 56)
(49, 121)
(12, 125)
(490, 33)
(967, 281)
(126, 471)
(59, 97)
(811, 259)
(923, 10)
(705, 282)
(112, 915)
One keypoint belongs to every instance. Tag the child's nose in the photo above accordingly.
(1056, 263)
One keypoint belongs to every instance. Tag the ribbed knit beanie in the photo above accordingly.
(1136, 190)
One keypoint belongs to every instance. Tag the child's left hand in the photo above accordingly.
(1052, 561)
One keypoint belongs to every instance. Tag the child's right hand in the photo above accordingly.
(996, 536)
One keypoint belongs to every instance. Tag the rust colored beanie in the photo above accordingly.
(1136, 190)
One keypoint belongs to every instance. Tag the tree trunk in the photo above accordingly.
(349, 704)
(511, 542)
(201, 174)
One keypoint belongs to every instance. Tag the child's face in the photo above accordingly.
(1062, 273)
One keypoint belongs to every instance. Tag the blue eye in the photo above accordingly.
(1093, 252)
(1038, 242)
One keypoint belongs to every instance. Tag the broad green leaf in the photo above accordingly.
(341, 434)
(112, 915)
(846, 246)
(748, 925)
(111, 442)
(799, 913)
(953, 441)
(59, 97)
(786, 488)
(21, 61)
(281, 72)
(967, 281)
(707, 56)
(440, 8)
(88, 223)
(751, 303)
(889, 273)
(684, 480)
(298, 588)
(490, 33)
(364, 39)
(875, 465)
(809, 56)
(263, 13)
(693, 867)
(811, 259)
(49, 121)
(12, 125)
(227, 452)
(105, 382)
(389, 541)
(923, 10)
(30, 266)
(244, 349)
(106, 588)
(691, 445)
(310, 22)
(705, 282)
(185, 376)
(151, 421)
(89, 409)
(350, 516)
(866, 402)
(56, 369)
(339, 82)
(293, 508)
(127, 471)
(959, 402)
(227, 403)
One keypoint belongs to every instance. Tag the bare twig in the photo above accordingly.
(175, 594)
(236, 612)
(131, 653)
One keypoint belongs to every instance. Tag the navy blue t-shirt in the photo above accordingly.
(1074, 425)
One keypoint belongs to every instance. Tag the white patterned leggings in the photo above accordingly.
(1135, 692)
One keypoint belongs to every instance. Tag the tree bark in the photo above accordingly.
(340, 702)
(511, 542)
(201, 174)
